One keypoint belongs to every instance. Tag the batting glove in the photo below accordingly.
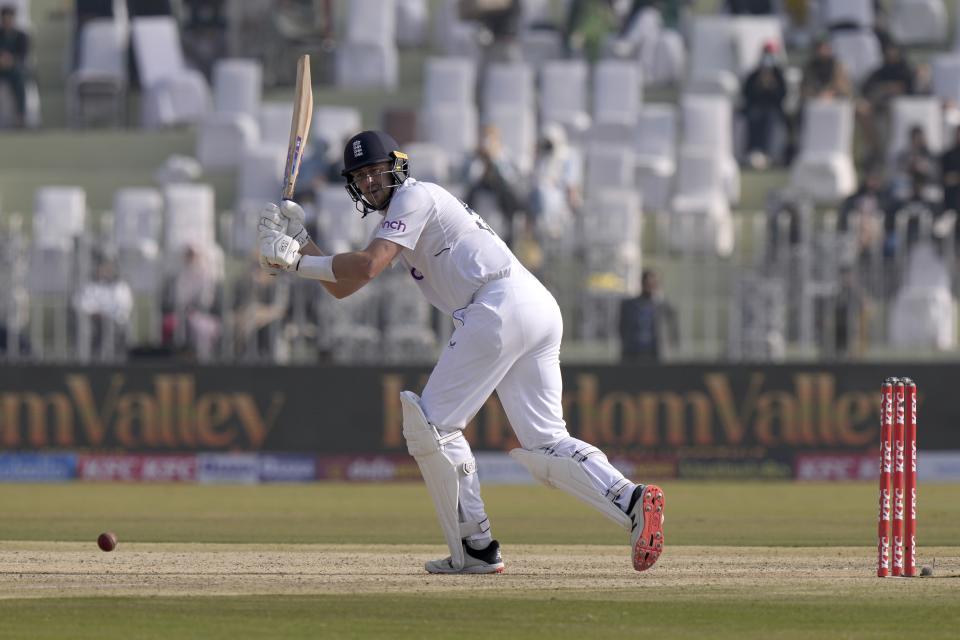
(278, 251)
(294, 215)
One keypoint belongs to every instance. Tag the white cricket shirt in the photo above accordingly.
(447, 247)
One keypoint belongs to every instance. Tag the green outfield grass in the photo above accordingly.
(662, 614)
(717, 513)
(829, 521)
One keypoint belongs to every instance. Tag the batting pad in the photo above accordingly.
(568, 475)
(441, 475)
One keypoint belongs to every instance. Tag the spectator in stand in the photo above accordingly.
(895, 77)
(501, 27)
(670, 12)
(494, 181)
(764, 91)
(14, 48)
(950, 172)
(648, 323)
(305, 20)
(916, 167)
(750, 7)
(861, 222)
(261, 305)
(106, 303)
(824, 76)
(319, 167)
(138, 8)
(870, 194)
(556, 195)
(205, 33)
(191, 299)
(907, 217)
(851, 315)
(14, 298)
(587, 25)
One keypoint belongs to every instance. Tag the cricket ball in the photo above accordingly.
(107, 541)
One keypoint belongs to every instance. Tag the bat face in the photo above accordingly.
(299, 127)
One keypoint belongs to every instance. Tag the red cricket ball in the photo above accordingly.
(107, 541)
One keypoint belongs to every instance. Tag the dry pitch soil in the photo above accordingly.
(72, 569)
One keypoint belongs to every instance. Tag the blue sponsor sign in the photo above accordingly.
(37, 467)
(289, 467)
(239, 468)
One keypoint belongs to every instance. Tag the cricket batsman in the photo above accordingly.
(506, 339)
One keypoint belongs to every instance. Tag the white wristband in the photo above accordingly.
(316, 268)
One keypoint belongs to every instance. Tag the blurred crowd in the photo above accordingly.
(545, 186)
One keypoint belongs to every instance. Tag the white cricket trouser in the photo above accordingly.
(507, 339)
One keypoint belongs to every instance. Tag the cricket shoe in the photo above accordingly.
(646, 537)
(475, 561)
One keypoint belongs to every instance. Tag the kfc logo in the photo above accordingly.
(897, 553)
(900, 404)
(898, 504)
(357, 149)
(886, 458)
(885, 505)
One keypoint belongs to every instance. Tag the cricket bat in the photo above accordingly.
(299, 127)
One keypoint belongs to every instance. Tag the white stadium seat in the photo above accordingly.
(137, 228)
(189, 217)
(859, 51)
(563, 94)
(849, 12)
(335, 125)
(59, 218)
(453, 128)
(274, 124)
(173, 94)
(713, 56)
(609, 167)
(923, 314)
(339, 223)
(824, 169)
(708, 124)
(224, 138)
(412, 19)
(508, 84)
(946, 77)
(261, 175)
(656, 151)
(923, 22)
(367, 57)
(237, 85)
(428, 162)
(700, 218)
(617, 92)
(60, 215)
(101, 70)
(449, 81)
